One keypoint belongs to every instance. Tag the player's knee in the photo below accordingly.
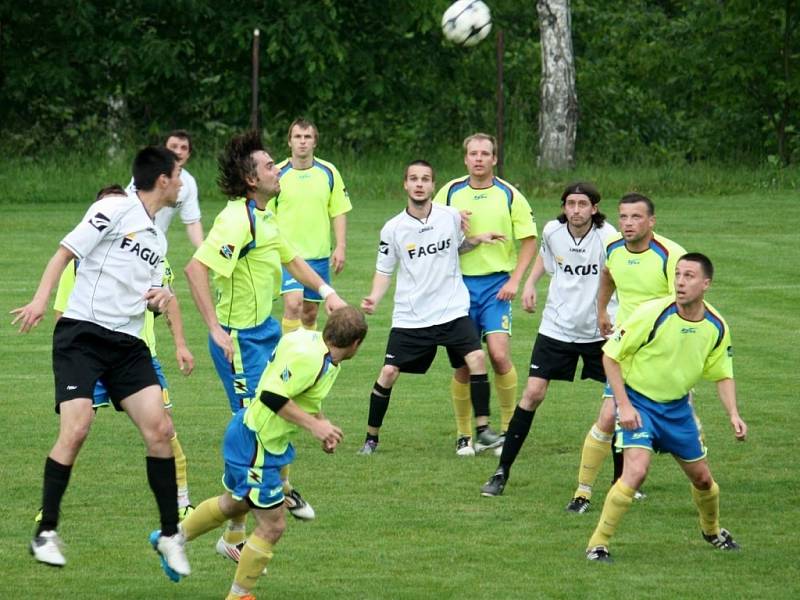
(310, 310)
(73, 434)
(292, 305)
(461, 374)
(702, 480)
(272, 529)
(389, 374)
(501, 363)
(534, 393)
(476, 362)
(634, 472)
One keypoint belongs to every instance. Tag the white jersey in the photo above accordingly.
(122, 257)
(429, 290)
(570, 313)
(188, 204)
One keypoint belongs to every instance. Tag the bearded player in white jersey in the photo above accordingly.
(573, 254)
(121, 276)
(431, 302)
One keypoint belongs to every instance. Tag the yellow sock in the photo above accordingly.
(618, 501)
(707, 503)
(257, 552)
(505, 386)
(596, 447)
(287, 487)
(205, 517)
(181, 477)
(236, 532)
(462, 406)
(289, 325)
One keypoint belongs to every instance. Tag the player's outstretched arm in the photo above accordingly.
(380, 285)
(309, 278)
(172, 314)
(31, 314)
(607, 287)
(488, 237)
(321, 428)
(197, 275)
(529, 289)
(527, 252)
(726, 388)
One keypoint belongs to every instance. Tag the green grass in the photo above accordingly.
(408, 522)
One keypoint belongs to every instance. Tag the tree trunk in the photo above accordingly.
(558, 113)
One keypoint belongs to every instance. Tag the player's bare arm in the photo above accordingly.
(309, 278)
(726, 389)
(197, 275)
(194, 232)
(527, 252)
(172, 315)
(607, 287)
(321, 428)
(158, 298)
(488, 237)
(628, 416)
(380, 285)
(339, 223)
(31, 314)
(529, 289)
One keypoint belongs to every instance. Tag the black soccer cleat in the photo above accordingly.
(578, 505)
(495, 485)
(722, 541)
(599, 554)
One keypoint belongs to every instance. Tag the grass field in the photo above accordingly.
(408, 522)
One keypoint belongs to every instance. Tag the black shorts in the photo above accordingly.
(554, 359)
(413, 350)
(84, 352)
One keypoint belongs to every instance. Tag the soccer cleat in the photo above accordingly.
(639, 495)
(369, 447)
(299, 508)
(184, 511)
(464, 446)
(599, 554)
(170, 550)
(486, 440)
(231, 551)
(495, 485)
(722, 541)
(498, 451)
(46, 548)
(578, 505)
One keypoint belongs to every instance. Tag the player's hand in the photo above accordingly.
(326, 432)
(465, 215)
(223, 339)
(604, 324)
(739, 428)
(185, 359)
(368, 305)
(629, 418)
(488, 237)
(337, 260)
(28, 316)
(508, 291)
(158, 298)
(332, 302)
(529, 298)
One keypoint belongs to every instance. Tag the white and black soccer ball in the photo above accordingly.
(467, 22)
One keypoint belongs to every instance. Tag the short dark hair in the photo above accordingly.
(114, 189)
(303, 123)
(345, 326)
(702, 260)
(634, 197)
(181, 134)
(419, 163)
(236, 163)
(149, 164)
(588, 190)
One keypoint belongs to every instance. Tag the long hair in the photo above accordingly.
(588, 190)
(236, 164)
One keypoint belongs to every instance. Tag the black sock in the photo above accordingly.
(518, 430)
(371, 438)
(56, 479)
(479, 392)
(617, 456)
(161, 477)
(378, 405)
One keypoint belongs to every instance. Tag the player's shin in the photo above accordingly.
(161, 477)
(378, 405)
(517, 431)
(618, 501)
(596, 447)
(505, 386)
(204, 518)
(235, 533)
(256, 554)
(479, 392)
(462, 407)
(707, 503)
(56, 479)
(181, 476)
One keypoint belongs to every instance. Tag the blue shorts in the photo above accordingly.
(668, 427)
(101, 399)
(252, 473)
(489, 314)
(321, 267)
(252, 349)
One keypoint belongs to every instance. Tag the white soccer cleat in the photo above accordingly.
(172, 551)
(46, 548)
(229, 551)
(464, 446)
(299, 508)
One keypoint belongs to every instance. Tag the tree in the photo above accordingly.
(558, 112)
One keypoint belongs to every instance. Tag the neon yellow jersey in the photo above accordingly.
(244, 250)
(663, 355)
(500, 208)
(67, 282)
(308, 200)
(641, 276)
(301, 370)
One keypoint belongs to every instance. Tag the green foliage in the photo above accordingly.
(658, 80)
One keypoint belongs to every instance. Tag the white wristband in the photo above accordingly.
(325, 290)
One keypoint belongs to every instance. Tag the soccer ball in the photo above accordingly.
(467, 22)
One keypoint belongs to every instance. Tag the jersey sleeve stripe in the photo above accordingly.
(327, 361)
(506, 190)
(671, 309)
(325, 169)
(251, 217)
(716, 322)
(662, 251)
(614, 245)
(455, 186)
